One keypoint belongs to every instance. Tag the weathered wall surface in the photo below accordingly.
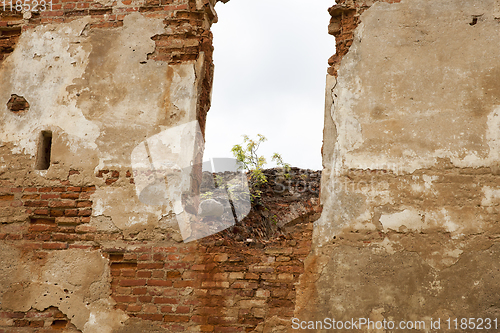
(79, 250)
(409, 229)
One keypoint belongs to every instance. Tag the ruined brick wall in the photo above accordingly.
(345, 18)
(409, 227)
(218, 284)
(83, 84)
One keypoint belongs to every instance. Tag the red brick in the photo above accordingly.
(145, 299)
(165, 300)
(70, 195)
(144, 274)
(165, 249)
(130, 273)
(36, 314)
(41, 212)
(13, 315)
(152, 317)
(146, 257)
(42, 220)
(158, 274)
(173, 274)
(14, 237)
(184, 284)
(85, 212)
(50, 196)
(173, 257)
(54, 246)
(71, 212)
(176, 319)
(56, 212)
(42, 227)
(37, 323)
(167, 309)
(125, 299)
(88, 188)
(74, 189)
(62, 204)
(25, 196)
(132, 282)
(140, 291)
(244, 285)
(160, 283)
(177, 265)
(170, 292)
(21, 323)
(229, 329)
(183, 309)
(58, 189)
(158, 257)
(292, 269)
(67, 220)
(134, 308)
(37, 203)
(149, 265)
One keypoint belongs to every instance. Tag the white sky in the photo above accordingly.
(270, 67)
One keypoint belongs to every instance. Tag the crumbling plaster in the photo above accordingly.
(101, 97)
(410, 183)
(416, 88)
(98, 93)
(75, 281)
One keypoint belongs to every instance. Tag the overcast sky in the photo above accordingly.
(270, 67)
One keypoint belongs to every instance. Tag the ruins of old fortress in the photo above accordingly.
(405, 226)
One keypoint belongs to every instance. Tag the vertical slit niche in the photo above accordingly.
(44, 148)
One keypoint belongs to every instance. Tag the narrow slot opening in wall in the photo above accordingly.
(44, 150)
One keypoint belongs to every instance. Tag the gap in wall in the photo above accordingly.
(270, 67)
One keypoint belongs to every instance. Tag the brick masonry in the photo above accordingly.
(345, 18)
(222, 283)
(187, 37)
(217, 284)
(49, 320)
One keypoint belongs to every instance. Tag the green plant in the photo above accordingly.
(207, 195)
(247, 156)
(279, 161)
(219, 180)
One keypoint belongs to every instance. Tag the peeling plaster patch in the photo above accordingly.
(409, 218)
(428, 181)
(385, 246)
(41, 81)
(376, 77)
(491, 197)
(493, 134)
(446, 257)
(60, 282)
(125, 209)
(449, 225)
